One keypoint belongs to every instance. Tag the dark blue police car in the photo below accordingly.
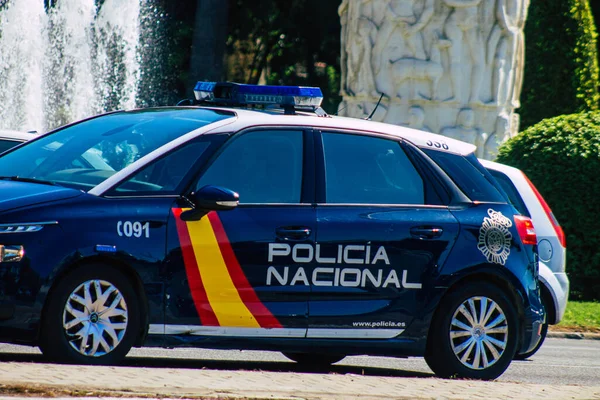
(347, 237)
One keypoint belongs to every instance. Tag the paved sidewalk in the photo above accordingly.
(171, 382)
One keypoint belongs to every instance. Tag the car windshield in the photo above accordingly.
(85, 154)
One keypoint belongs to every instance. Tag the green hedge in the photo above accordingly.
(561, 61)
(561, 156)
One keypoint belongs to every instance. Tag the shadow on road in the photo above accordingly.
(271, 366)
(231, 365)
(21, 357)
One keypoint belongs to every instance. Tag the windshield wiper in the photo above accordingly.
(30, 180)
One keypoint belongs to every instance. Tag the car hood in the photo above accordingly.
(22, 194)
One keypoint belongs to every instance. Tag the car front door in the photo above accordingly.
(139, 211)
(229, 272)
(383, 231)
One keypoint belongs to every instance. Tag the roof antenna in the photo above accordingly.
(375, 109)
(185, 102)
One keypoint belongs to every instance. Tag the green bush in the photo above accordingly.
(561, 61)
(561, 156)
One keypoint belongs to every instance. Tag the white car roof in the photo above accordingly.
(244, 119)
(542, 224)
(512, 172)
(16, 135)
(249, 118)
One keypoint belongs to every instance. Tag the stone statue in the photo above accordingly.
(343, 13)
(358, 34)
(488, 145)
(448, 66)
(506, 47)
(467, 50)
(417, 119)
(411, 25)
(465, 128)
(360, 73)
(430, 70)
(406, 54)
(519, 51)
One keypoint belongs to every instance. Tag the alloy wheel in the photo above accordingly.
(95, 318)
(478, 332)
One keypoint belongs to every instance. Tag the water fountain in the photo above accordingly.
(64, 60)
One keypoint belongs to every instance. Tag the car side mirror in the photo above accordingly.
(210, 198)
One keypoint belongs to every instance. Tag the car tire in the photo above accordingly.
(91, 317)
(466, 343)
(314, 360)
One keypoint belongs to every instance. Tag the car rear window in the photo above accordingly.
(511, 191)
(469, 175)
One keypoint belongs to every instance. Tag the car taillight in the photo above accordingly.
(557, 228)
(526, 230)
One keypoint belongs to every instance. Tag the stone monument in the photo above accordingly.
(453, 67)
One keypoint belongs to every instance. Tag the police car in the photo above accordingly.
(276, 228)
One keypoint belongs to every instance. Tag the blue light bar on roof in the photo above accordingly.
(242, 94)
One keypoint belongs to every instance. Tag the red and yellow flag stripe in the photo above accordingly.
(221, 292)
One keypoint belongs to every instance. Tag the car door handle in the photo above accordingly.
(293, 232)
(426, 232)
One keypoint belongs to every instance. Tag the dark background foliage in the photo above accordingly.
(287, 43)
(561, 156)
(272, 41)
(559, 146)
(561, 60)
(595, 6)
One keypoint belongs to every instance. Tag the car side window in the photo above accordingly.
(511, 191)
(261, 166)
(166, 174)
(369, 170)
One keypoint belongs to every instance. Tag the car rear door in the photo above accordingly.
(383, 233)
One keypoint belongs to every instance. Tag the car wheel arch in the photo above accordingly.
(502, 278)
(126, 269)
(549, 297)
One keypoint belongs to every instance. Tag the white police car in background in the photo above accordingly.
(551, 241)
(10, 139)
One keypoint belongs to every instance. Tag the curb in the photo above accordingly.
(574, 335)
(200, 383)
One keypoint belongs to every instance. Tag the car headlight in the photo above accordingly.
(25, 227)
(11, 253)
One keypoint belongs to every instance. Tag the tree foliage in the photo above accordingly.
(285, 42)
(561, 60)
(277, 42)
(208, 46)
(561, 156)
(595, 6)
(167, 29)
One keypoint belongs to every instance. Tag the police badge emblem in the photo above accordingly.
(495, 238)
